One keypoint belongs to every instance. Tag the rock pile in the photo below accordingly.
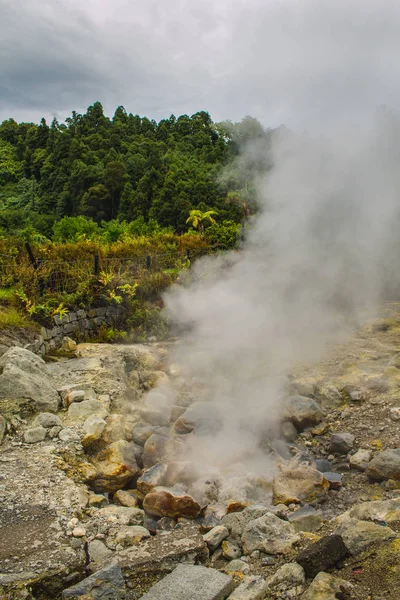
(135, 518)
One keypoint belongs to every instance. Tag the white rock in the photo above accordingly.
(37, 434)
(68, 435)
(94, 426)
(86, 408)
(360, 459)
(79, 532)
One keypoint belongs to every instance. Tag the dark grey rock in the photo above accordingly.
(141, 433)
(194, 582)
(166, 524)
(322, 555)
(334, 480)
(305, 518)
(47, 420)
(151, 525)
(289, 431)
(341, 443)
(323, 465)
(201, 417)
(106, 584)
(302, 412)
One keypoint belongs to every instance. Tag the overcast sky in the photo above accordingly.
(298, 62)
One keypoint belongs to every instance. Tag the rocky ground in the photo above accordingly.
(98, 501)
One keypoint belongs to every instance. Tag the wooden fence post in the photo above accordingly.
(148, 263)
(96, 264)
(31, 255)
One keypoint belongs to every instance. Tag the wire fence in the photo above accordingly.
(64, 276)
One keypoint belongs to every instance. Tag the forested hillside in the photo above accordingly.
(125, 168)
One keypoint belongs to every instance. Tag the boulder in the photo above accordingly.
(141, 433)
(68, 435)
(269, 534)
(34, 435)
(201, 417)
(47, 420)
(359, 461)
(98, 552)
(288, 581)
(164, 502)
(115, 466)
(115, 429)
(302, 412)
(125, 498)
(385, 511)
(252, 588)
(106, 584)
(305, 518)
(93, 428)
(323, 465)
(191, 581)
(26, 381)
(236, 522)
(289, 431)
(131, 535)
(341, 443)
(327, 587)
(157, 417)
(334, 480)
(156, 449)
(162, 553)
(152, 478)
(385, 465)
(87, 408)
(304, 387)
(359, 535)
(302, 484)
(323, 554)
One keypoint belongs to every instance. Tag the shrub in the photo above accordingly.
(223, 235)
(73, 229)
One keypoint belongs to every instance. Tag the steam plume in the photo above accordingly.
(320, 250)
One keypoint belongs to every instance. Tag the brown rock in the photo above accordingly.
(155, 450)
(115, 466)
(164, 502)
(125, 498)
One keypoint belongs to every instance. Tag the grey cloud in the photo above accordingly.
(301, 63)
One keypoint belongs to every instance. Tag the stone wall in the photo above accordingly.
(81, 322)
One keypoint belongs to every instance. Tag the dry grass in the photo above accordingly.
(12, 318)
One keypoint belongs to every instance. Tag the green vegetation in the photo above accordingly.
(144, 198)
(11, 318)
(126, 169)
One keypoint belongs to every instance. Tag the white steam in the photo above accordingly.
(322, 247)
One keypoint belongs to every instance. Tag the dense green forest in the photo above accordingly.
(124, 169)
